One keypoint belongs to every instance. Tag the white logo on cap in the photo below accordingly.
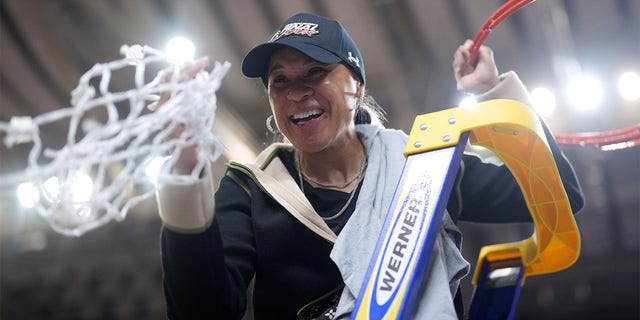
(298, 28)
(354, 59)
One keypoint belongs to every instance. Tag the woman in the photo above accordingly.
(276, 220)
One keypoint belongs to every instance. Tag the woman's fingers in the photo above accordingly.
(477, 78)
(188, 156)
(187, 73)
(190, 71)
(462, 63)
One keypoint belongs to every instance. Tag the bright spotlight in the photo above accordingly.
(28, 194)
(51, 188)
(180, 49)
(585, 92)
(153, 168)
(544, 101)
(629, 86)
(82, 188)
(468, 102)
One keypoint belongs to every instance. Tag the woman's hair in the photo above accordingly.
(368, 111)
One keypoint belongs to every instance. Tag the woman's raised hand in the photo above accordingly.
(188, 156)
(476, 79)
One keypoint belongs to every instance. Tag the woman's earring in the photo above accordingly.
(271, 127)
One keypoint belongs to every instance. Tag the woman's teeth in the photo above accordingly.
(303, 117)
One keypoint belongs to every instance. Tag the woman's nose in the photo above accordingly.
(299, 91)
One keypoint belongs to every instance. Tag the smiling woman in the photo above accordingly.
(304, 218)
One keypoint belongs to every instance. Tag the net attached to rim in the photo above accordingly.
(112, 155)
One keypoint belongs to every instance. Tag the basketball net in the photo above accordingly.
(115, 152)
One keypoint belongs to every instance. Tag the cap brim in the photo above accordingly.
(256, 62)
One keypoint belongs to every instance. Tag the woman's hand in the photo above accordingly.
(187, 73)
(476, 79)
(188, 158)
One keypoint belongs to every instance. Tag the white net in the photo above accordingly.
(95, 177)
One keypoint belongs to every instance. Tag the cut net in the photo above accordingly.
(113, 154)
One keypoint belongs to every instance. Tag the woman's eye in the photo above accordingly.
(314, 71)
(279, 79)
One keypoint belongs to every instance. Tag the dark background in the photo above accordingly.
(114, 272)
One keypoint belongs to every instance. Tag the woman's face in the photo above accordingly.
(313, 103)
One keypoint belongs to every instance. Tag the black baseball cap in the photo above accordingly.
(322, 39)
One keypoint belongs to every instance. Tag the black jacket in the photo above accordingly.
(206, 275)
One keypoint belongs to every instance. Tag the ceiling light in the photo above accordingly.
(468, 102)
(180, 49)
(585, 92)
(544, 101)
(28, 194)
(153, 168)
(629, 86)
